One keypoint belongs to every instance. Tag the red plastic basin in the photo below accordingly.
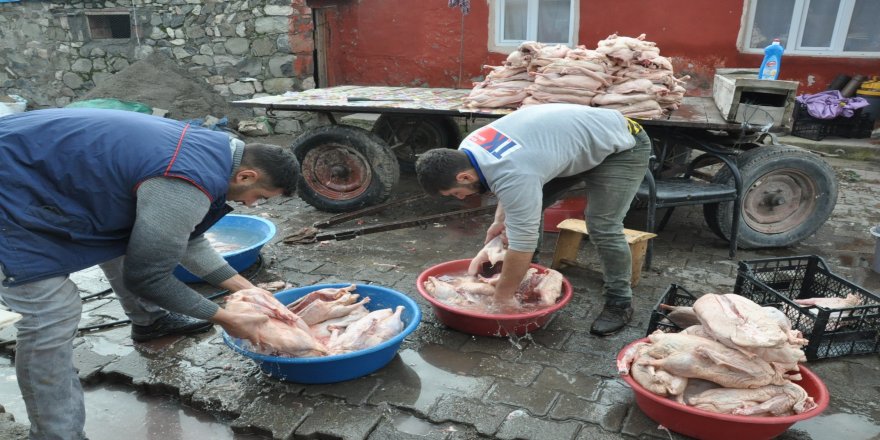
(484, 324)
(701, 424)
(572, 207)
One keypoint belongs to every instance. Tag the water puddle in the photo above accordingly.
(412, 425)
(113, 409)
(840, 425)
(104, 347)
(437, 371)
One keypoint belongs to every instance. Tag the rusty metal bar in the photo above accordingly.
(348, 234)
(344, 217)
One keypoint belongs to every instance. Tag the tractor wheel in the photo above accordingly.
(788, 193)
(344, 168)
(408, 136)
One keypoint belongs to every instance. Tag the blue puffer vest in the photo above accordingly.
(68, 182)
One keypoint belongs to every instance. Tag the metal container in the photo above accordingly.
(850, 88)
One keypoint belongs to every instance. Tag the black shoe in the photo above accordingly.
(613, 318)
(170, 324)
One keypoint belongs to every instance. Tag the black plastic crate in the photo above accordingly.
(831, 332)
(675, 295)
(807, 127)
(860, 127)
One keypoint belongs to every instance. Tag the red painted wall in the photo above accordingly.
(418, 43)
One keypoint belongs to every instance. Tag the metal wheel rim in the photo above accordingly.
(779, 201)
(408, 136)
(337, 172)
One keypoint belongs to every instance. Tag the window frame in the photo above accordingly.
(497, 20)
(111, 12)
(796, 29)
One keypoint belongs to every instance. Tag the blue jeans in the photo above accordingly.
(48, 381)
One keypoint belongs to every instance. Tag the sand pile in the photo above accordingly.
(158, 81)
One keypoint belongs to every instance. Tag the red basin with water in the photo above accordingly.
(484, 324)
(701, 424)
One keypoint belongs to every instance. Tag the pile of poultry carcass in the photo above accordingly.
(475, 292)
(734, 357)
(622, 73)
(324, 322)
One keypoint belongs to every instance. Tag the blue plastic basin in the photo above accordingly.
(341, 367)
(249, 231)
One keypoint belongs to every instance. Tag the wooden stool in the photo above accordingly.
(572, 232)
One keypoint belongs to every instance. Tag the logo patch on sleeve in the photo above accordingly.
(494, 141)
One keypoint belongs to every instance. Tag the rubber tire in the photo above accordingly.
(754, 165)
(710, 212)
(366, 148)
(445, 131)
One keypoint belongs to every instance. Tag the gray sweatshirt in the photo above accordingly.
(519, 153)
(168, 210)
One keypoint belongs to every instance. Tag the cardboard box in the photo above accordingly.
(742, 97)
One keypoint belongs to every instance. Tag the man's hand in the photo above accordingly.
(513, 270)
(236, 283)
(495, 229)
(267, 304)
(241, 322)
(506, 304)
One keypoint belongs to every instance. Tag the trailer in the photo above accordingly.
(787, 192)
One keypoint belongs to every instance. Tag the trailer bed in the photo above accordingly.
(694, 112)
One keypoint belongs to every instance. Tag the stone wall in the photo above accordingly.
(50, 53)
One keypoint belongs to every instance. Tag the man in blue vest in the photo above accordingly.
(132, 193)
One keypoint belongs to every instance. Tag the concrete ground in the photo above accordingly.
(558, 383)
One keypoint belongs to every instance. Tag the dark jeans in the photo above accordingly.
(610, 188)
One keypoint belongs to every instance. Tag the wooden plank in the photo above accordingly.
(691, 113)
(714, 116)
(322, 31)
(567, 245)
(412, 100)
(571, 233)
(638, 251)
(694, 112)
(580, 226)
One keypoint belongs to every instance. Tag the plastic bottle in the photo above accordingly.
(772, 61)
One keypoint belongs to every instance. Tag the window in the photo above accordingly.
(104, 25)
(816, 27)
(546, 21)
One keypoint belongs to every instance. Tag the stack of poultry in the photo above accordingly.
(577, 78)
(644, 84)
(324, 322)
(505, 86)
(734, 357)
(623, 73)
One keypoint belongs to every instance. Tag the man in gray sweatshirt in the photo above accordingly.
(536, 151)
(132, 193)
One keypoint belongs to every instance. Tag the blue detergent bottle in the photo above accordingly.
(772, 61)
